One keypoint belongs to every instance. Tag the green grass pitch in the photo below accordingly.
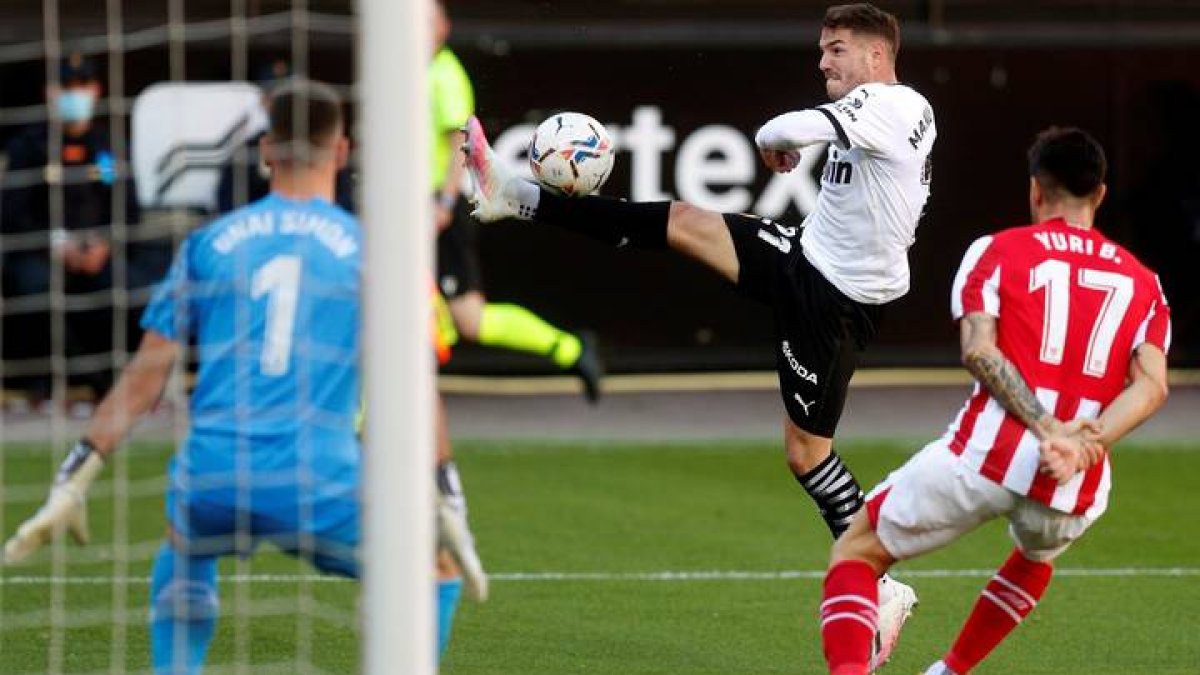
(594, 527)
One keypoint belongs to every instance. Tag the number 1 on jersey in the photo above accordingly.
(1055, 277)
(279, 280)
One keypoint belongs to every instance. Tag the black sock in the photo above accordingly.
(615, 222)
(836, 492)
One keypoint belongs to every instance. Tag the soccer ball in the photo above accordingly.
(571, 153)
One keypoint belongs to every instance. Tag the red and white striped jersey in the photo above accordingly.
(1071, 306)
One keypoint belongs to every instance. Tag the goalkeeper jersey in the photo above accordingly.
(270, 296)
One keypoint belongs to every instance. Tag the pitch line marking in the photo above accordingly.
(662, 576)
(753, 380)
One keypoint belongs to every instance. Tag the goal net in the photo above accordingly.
(126, 125)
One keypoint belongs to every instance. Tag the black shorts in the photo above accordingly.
(818, 330)
(458, 268)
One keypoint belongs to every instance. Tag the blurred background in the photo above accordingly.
(684, 84)
(668, 472)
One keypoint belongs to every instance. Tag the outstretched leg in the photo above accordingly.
(695, 232)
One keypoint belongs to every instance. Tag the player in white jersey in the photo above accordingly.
(1058, 325)
(827, 286)
(873, 188)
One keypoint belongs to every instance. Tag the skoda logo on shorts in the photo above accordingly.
(800, 370)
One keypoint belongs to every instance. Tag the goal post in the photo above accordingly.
(397, 605)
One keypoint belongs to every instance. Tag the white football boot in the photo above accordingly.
(496, 192)
(455, 537)
(896, 602)
(939, 668)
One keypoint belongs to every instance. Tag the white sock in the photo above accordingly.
(529, 195)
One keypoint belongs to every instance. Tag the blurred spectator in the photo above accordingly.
(245, 177)
(500, 325)
(59, 210)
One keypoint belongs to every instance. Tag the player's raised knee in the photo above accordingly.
(688, 221)
(702, 235)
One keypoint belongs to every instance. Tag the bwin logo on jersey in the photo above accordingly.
(799, 369)
(838, 173)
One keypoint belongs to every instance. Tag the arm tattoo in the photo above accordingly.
(1007, 386)
(998, 374)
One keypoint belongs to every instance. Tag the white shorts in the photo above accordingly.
(935, 498)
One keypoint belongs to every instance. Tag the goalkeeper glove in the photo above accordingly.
(454, 534)
(65, 507)
(454, 537)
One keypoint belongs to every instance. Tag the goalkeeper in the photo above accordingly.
(270, 293)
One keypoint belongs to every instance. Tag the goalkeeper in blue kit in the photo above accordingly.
(270, 295)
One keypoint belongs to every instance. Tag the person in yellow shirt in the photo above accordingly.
(501, 325)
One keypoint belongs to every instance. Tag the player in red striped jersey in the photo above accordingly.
(1066, 334)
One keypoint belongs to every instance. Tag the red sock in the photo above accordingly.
(1007, 599)
(849, 616)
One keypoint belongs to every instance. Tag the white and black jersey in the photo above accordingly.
(826, 282)
(873, 190)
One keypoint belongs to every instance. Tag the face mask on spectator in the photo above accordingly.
(76, 105)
